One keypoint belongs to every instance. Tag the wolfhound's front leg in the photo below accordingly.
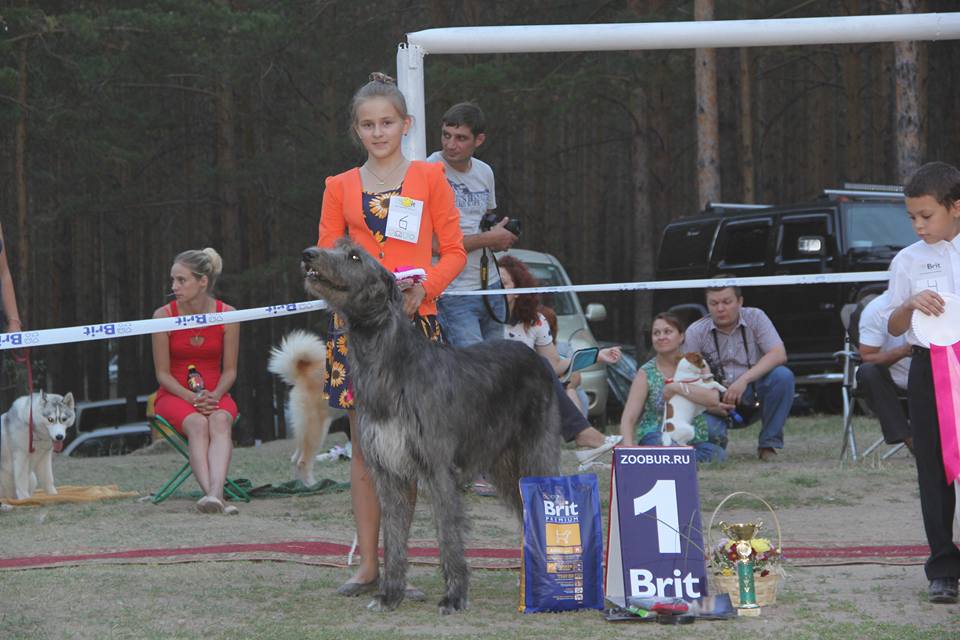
(396, 507)
(448, 514)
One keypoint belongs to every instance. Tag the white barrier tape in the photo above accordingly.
(46, 337)
(703, 283)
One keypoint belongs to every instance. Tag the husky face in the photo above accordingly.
(55, 414)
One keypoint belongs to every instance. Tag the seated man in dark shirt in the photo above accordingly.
(882, 378)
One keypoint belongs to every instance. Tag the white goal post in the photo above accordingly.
(649, 35)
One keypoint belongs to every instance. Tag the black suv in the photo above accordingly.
(858, 228)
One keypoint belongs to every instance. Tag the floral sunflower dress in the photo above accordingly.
(336, 384)
(647, 431)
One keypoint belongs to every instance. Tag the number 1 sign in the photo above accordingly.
(654, 542)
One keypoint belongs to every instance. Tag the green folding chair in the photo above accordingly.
(230, 488)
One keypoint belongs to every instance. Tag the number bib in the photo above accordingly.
(403, 218)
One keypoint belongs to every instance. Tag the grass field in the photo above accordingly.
(818, 501)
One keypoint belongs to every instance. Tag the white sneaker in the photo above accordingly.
(336, 453)
(588, 455)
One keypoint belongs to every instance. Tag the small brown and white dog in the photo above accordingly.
(21, 470)
(300, 361)
(679, 411)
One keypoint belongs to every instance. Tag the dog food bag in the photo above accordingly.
(562, 556)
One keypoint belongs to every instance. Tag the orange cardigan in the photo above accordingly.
(342, 214)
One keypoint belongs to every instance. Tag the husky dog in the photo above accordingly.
(433, 413)
(20, 470)
(679, 411)
(299, 361)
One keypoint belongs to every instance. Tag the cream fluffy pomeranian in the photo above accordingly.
(299, 361)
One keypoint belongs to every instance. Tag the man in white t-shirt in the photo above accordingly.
(466, 319)
(883, 375)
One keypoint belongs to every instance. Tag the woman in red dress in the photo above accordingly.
(204, 416)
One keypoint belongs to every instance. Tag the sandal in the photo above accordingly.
(353, 589)
(209, 504)
(231, 510)
(483, 488)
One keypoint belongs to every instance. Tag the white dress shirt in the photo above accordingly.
(923, 266)
(873, 333)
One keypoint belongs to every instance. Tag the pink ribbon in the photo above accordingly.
(946, 385)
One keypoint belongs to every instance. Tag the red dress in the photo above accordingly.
(186, 348)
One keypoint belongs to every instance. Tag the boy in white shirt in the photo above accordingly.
(919, 274)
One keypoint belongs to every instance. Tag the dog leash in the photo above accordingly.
(25, 360)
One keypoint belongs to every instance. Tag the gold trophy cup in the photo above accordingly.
(741, 534)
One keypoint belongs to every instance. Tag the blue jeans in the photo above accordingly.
(717, 431)
(776, 397)
(466, 321)
(704, 451)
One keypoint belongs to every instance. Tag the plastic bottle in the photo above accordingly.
(738, 421)
(194, 379)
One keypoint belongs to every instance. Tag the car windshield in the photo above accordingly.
(878, 226)
(548, 275)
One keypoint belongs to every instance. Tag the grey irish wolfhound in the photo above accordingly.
(434, 413)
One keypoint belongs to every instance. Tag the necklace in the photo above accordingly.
(197, 339)
(387, 175)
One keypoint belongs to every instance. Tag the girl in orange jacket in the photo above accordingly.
(358, 203)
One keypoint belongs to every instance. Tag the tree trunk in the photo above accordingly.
(644, 231)
(746, 126)
(232, 248)
(853, 158)
(853, 117)
(227, 175)
(883, 160)
(23, 229)
(910, 101)
(708, 130)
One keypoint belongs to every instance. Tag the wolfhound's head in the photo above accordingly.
(351, 281)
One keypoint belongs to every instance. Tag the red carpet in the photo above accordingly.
(335, 554)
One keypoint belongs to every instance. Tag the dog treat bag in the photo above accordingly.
(562, 553)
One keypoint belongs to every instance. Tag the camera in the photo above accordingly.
(490, 219)
(743, 414)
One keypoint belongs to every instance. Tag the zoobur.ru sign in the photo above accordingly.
(654, 541)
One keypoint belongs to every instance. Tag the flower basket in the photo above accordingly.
(767, 561)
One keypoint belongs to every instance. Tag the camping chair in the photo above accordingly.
(230, 488)
(850, 359)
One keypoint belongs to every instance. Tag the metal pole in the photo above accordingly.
(689, 35)
(410, 82)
